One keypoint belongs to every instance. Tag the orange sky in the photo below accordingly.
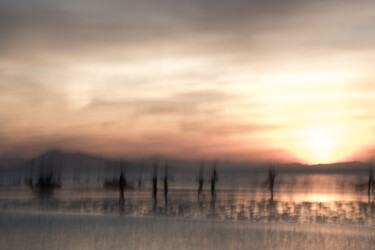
(251, 80)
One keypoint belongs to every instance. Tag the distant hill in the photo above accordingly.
(56, 160)
(326, 168)
(72, 161)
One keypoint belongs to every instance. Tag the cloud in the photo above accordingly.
(206, 96)
(223, 128)
(122, 28)
(179, 104)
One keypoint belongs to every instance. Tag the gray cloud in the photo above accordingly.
(101, 28)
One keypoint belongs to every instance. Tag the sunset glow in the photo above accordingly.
(182, 80)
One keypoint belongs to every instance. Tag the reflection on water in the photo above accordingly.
(301, 207)
(302, 198)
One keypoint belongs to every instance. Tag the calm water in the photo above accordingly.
(301, 198)
(33, 230)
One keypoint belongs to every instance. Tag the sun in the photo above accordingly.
(319, 144)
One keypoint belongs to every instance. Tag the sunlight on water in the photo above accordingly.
(257, 206)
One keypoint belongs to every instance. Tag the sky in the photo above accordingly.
(256, 80)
